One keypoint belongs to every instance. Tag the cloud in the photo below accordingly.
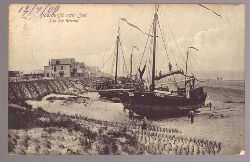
(220, 41)
(220, 48)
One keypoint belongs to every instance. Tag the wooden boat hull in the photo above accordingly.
(163, 111)
(152, 104)
(112, 94)
(109, 93)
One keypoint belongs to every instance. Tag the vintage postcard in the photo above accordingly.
(126, 79)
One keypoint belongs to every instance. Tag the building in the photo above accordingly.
(66, 67)
(15, 74)
(93, 71)
(33, 76)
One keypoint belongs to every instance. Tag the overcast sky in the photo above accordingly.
(220, 41)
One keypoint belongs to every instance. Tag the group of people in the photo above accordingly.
(145, 122)
(210, 105)
(192, 113)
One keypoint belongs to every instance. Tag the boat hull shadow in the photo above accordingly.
(152, 104)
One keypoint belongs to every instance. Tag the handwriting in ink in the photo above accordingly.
(37, 9)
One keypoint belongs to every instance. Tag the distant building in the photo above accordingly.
(33, 76)
(66, 67)
(15, 74)
(93, 71)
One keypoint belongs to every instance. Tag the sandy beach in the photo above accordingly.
(223, 124)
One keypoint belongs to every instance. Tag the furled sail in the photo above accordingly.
(169, 74)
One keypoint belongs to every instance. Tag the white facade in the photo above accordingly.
(64, 68)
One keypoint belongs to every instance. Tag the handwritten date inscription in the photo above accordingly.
(50, 12)
(27, 11)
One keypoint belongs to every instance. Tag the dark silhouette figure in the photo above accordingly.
(144, 124)
(191, 115)
(170, 66)
(210, 105)
(131, 115)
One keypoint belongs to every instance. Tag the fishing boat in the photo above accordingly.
(112, 89)
(159, 100)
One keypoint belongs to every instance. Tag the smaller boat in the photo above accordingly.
(111, 89)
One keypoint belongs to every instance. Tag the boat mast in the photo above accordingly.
(186, 73)
(154, 49)
(117, 51)
(131, 62)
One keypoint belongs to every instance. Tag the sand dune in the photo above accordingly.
(216, 131)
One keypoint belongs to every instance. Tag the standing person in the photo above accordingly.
(131, 115)
(144, 123)
(191, 115)
(210, 105)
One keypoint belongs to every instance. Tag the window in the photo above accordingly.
(61, 73)
(52, 68)
(55, 69)
(61, 67)
(57, 62)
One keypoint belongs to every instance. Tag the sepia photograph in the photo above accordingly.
(126, 79)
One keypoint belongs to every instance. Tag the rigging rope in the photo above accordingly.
(144, 49)
(133, 68)
(165, 44)
(148, 60)
(112, 54)
(195, 59)
(113, 61)
(106, 61)
(124, 60)
(121, 40)
(180, 52)
(145, 45)
(131, 26)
